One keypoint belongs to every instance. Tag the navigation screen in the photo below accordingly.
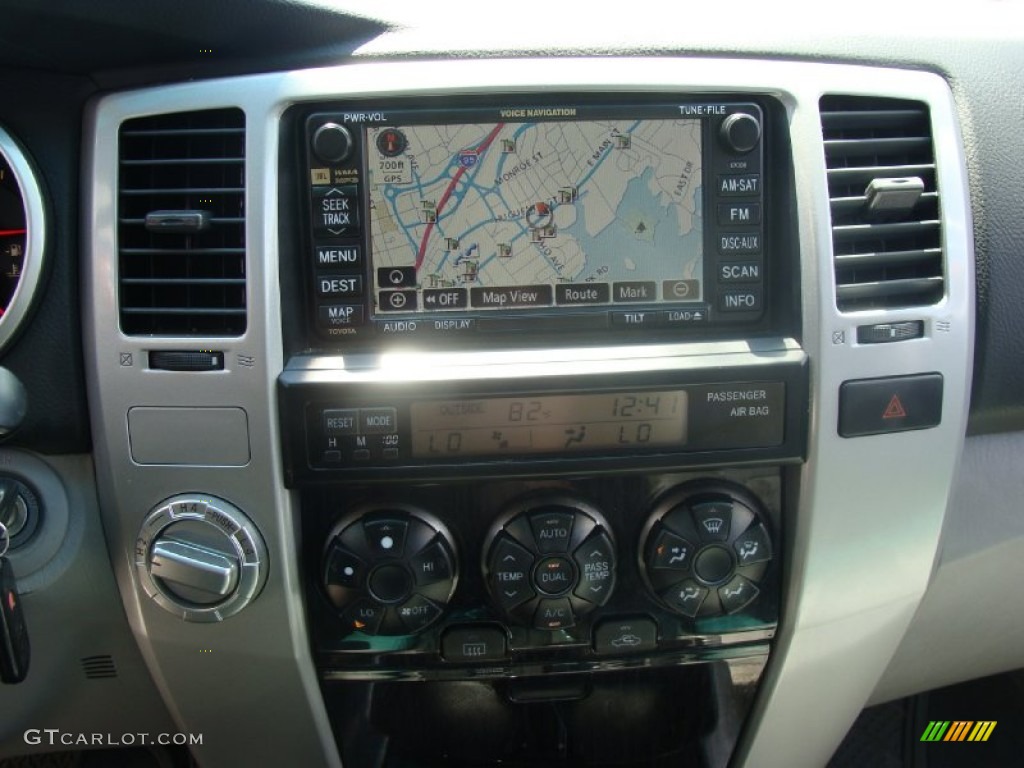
(519, 215)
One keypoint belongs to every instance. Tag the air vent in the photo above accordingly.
(98, 667)
(886, 230)
(181, 224)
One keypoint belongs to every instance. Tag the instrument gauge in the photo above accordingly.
(22, 232)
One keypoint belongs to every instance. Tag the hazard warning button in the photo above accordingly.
(896, 404)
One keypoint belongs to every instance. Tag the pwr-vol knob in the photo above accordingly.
(389, 570)
(706, 549)
(550, 561)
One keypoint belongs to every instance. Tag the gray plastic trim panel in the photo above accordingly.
(862, 502)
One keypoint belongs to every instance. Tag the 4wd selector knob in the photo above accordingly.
(200, 557)
(551, 561)
(389, 570)
(706, 549)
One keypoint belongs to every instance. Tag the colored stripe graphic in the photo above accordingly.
(982, 730)
(935, 731)
(958, 731)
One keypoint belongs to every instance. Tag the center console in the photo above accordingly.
(543, 410)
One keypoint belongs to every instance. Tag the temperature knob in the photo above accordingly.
(332, 143)
(389, 570)
(740, 132)
(706, 549)
(551, 562)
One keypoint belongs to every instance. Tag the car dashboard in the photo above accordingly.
(607, 399)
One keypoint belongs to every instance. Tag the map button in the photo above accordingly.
(635, 291)
(445, 298)
(503, 298)
(575, 294)
(340, 315)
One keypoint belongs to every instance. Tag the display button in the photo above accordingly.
(885, 333)
(417, 613)
(713, 565)
(431, 565)
(386, 538)
(445, 298)
(453, 325)
(736, 594)
(396, 277)
(340, 315)
(737, 243)
(335, 211)
(365, 616)
(712, 520)
(339, 285)
(671, 552)
(396, 301)
(595, 561)
(576, 294)
(328, 256)
(626, 636)
(635, 291)
(510, 573)
(737, 214)
(345, 569)
(553, 576)
(341, 421)
(739, 184)
(462, 644)
(554, 613)
(377, 421)
(390, 583)
(898, 404)
(739, 272)
(686, 597)
(752, 546)
(552, 531)
(740, 300)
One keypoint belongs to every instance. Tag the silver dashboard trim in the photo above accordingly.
(852, 512)
(35, 237)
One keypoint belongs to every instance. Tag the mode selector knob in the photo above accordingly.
(200, 557)
(332, 143)
(740, 132)
(550, 561)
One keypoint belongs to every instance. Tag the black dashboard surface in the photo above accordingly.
(53, 57)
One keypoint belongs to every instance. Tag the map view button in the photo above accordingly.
(503, 298)
(582, 293)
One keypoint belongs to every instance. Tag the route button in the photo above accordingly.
(575, 294)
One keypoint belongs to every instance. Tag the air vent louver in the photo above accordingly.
(182, 272)
(886, 230)
(98, 667)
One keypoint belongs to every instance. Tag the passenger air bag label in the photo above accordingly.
(737, 415)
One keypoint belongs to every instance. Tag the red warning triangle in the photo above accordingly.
(895, 409)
